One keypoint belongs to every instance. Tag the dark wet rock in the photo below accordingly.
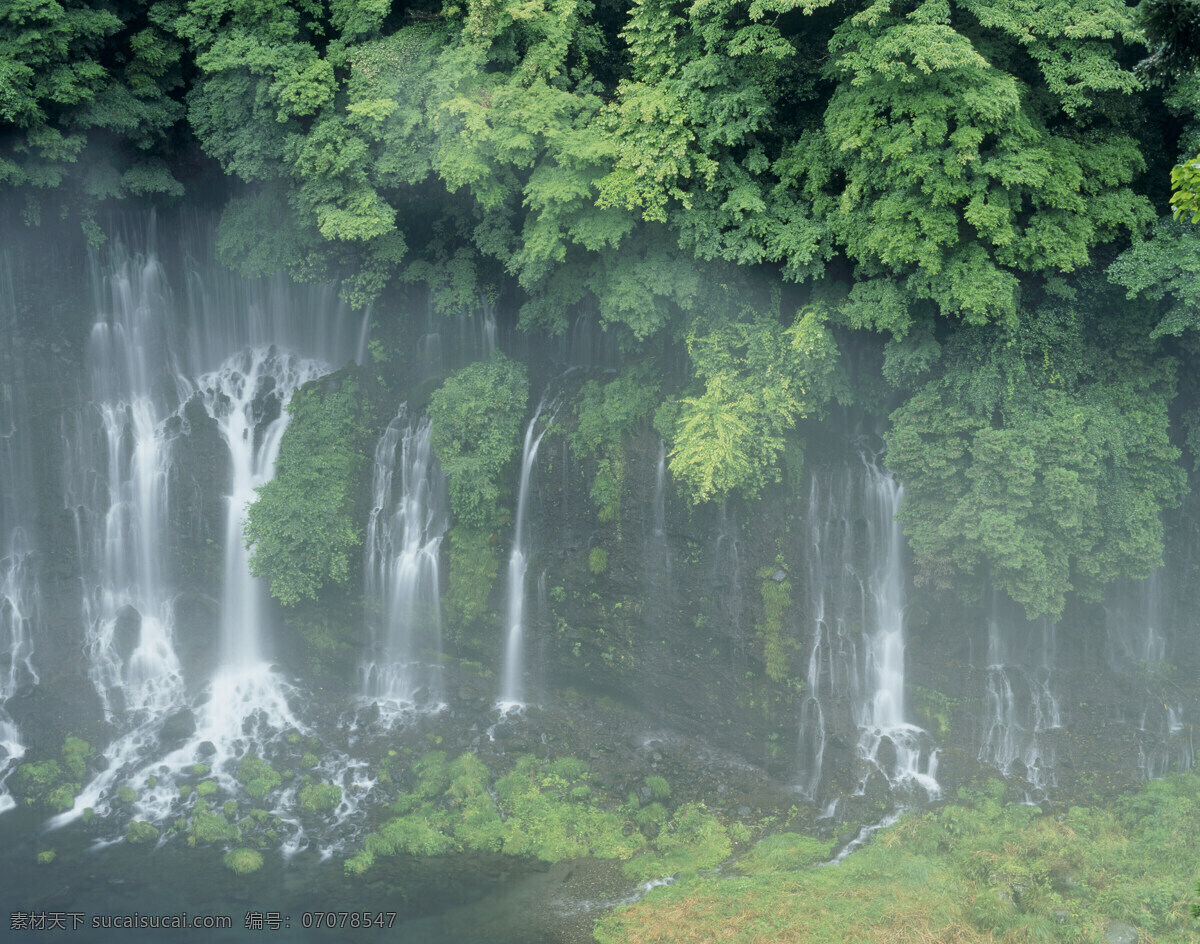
(178, 727)
(886, 754)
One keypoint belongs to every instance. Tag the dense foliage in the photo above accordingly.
(606, 415)
(773, 186)
(476, 417)
(301, 530)
(1042, 455)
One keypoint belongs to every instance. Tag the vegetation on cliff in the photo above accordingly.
(969, 191)
(301, 529)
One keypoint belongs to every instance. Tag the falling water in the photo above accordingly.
(1134, 621)
(117, 464)
(1022, 708)
(518, 562)
(19, 604)
(1138, 620)
(727, 571)
(247, 396)
(880, 715)
(404, 535)
(855, 563)
(20, 597)
(118, 460)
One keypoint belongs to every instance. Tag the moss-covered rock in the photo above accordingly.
(140, 831)
(243, 861)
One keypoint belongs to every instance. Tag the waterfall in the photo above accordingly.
(659, 507)
(880, 715)
(727, 572)
(247, 396)
(20, 601)
(154, 355)
(854, 557)
(1139, 623)
(811, 752)
(518, 562)
(1022, 707)
(1134, 623)
(404, 535)
(20, 596)
(118, 459)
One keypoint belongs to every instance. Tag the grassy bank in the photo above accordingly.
(979, 870)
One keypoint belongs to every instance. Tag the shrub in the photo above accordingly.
(301, 528)
(75, 753)
(243, 861)
(659, 788)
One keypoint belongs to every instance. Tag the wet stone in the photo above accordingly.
(178, 726)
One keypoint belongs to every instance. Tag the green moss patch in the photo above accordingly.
(243, 861)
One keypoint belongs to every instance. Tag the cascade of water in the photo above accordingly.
(404, 535)
(1134, 621)
(488, 331)
(20, 597)
(117, 466)
(659, 603)
(118, 494)
(247, 396)
(811, 753)
(247, 700)
(1138, 620)
(1022, 708)
(660, 491)
(727, 571)
(20, 601)
(1172, 749)
(117, 459)
(854, 557)
(518, 562)
(880, 716)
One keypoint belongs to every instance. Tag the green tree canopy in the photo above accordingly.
(1040, 460)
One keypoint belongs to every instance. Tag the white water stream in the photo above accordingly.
(855, 566)
(513, 670)
(409, 517)
(118, 465)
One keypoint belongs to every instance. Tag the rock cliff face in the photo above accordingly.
(681, 621)
(785, 630)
